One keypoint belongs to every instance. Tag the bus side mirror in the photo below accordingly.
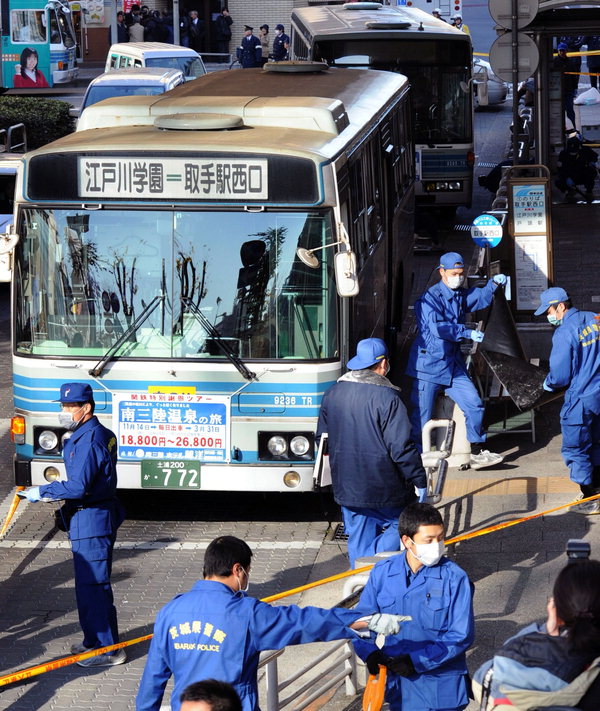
(346, 276)
(8, 240)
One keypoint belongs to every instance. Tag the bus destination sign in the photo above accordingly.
(172, 426)
(173, 178)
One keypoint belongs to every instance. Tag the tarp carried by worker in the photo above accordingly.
(503, 352)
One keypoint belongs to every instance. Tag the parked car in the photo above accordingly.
(142, 81)
(488, 88)
(126, 55)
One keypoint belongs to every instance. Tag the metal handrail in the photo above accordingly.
(274, 687)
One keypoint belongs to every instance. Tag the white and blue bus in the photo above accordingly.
(207, 262)
(434, 56)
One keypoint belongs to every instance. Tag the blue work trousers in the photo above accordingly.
(371, 531)
(464, 394)
(581, 447)
(92, 558)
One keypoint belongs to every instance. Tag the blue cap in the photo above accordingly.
(280, 27)
(562, 45)
(551, 297)
(451, 260)
(75, 392)
(368, 352)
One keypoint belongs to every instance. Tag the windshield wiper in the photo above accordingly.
(110, 353)
(219, 340)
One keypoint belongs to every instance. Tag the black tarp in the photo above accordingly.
(504, 354)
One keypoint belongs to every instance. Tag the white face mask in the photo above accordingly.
(247, 582)
(455, 281)
(429, 553)
(66, 419)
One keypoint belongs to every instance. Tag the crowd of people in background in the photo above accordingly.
(142, 24)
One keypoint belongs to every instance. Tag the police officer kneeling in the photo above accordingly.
(92, 514)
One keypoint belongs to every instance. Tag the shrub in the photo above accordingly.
(45, 119)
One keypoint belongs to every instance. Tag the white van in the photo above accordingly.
(131, 82)
(132, 55)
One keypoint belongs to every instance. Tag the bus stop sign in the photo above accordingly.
(486, 231)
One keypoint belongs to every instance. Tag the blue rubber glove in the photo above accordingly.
(570, 183)
(422, 494)
(476, 336)
(33, 494)
(546, 387)
(500, 279)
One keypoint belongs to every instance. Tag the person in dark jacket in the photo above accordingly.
(223, 32)
(92, 514)
(375, 466)
(558, 657)
(570, 68)
(249, 53)
(122, 29)
(576, 166)
(281, 44)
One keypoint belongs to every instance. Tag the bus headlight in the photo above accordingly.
(277, 446)
(51, 474)
(456, 185)
(299, 445)
(47, 440)
(291, 479)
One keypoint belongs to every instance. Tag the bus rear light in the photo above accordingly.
(17, 429)
(470, 159)
(51, 474)
(61, 66)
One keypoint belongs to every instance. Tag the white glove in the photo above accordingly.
(384, 623)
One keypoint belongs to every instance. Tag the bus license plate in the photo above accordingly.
(170, 475)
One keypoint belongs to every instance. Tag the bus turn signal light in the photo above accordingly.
(17, 429)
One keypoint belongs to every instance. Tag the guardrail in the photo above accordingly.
(7, 141)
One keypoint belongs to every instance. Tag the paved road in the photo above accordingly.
(159, 552)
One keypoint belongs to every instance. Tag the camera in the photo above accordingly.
(578, 549)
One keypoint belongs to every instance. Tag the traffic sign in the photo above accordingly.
(486, 231)
(501, 56)
(502, 12)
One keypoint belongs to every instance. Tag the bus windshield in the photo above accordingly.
(435, 69)
(84, 277)
(61, 29)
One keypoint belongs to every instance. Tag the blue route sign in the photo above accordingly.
(486, 231)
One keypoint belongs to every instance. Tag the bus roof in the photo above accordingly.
(344, 20)
(288, 112)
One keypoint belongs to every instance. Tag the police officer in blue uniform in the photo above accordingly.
(426, 661)
(281, 44)
(575, 365)
(91, 515)
(216, 631)
(436, 361)
(249, 53)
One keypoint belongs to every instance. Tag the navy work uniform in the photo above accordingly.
(213, 632)
(436, 361)
(575, 364)
(249, 54)
(280, 45)
(90, 457)
(375, 466)
(440, 601)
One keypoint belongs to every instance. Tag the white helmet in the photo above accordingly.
(457, 16)
(436, 11)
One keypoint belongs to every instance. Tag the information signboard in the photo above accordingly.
(172, 426)
(529, 226)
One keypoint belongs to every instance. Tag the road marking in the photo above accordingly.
(165, 545)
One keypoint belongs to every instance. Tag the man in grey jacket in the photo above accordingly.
(375, 467)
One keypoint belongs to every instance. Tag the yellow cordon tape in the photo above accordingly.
(11, 511)
(74, 658)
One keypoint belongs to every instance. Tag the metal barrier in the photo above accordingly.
(318, 682)
(7, 144)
